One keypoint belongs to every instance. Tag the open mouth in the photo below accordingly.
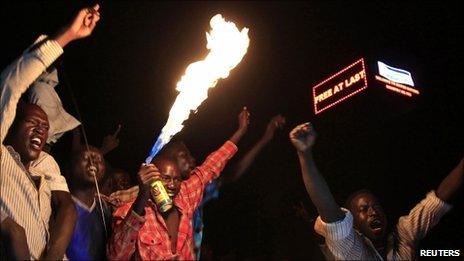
(36, 143)
(376, 226)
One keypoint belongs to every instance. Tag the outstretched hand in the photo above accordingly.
(243, 122)
(243, 119)
(146, 175)
(277, 122)
(82, 25)
(303, 137)
(85, 21)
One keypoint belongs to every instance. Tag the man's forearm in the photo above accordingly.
(246, 161)
(140, 202)
(62, 228)
(237, 136)
(318, 189)
(63, 37)
(452, 183)
(19, 75)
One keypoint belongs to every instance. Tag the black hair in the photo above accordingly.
(170, 148)
(356, 193)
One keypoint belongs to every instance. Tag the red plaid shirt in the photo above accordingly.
(147, 237)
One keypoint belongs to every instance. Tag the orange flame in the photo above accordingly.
(227, 47)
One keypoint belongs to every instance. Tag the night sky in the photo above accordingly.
(396, 146)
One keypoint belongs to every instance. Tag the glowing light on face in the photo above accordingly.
(227, 47)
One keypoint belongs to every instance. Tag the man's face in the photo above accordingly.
(87, 164)
(185, 161)
(170, 176)
(369, 217)
(30, 132)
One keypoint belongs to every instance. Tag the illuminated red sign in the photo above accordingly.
(340, 86)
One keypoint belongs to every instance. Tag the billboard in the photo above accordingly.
(396, 80)
(340, 86)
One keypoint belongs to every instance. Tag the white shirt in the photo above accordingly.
(345, 243)
(46, 165)
(21, 200)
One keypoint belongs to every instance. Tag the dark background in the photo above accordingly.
(398, 147)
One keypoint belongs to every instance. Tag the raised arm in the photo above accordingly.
(63, 227)
(303, 137)
(16, 78)
(19, 75)
(212, 167)
(427, 213)
(243, 121)
(192, 189)
(81, 26)
(451, 183)
(277, 122)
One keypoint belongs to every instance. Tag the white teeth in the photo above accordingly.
(36, 141)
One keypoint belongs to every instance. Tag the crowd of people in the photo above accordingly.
(87, 210)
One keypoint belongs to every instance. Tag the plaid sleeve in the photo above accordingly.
(122, 197)
(192, 189)
(123, 241)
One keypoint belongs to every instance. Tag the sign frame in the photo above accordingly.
(317, 109)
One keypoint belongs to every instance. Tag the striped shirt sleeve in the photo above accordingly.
(414, 226)
(19, 75)
(340, 237)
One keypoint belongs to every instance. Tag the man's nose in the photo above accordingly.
(40, 130)
(171, 183)
(372, 211)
